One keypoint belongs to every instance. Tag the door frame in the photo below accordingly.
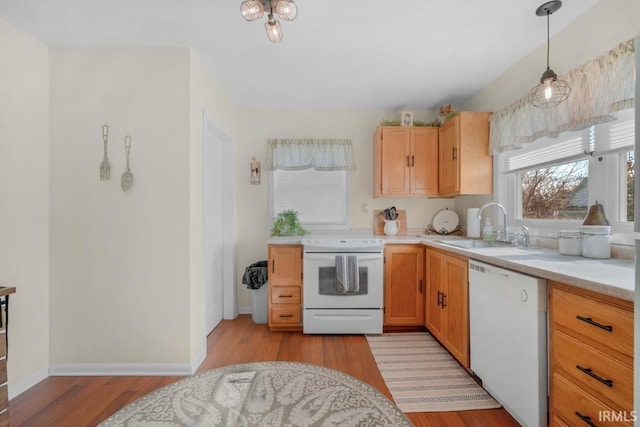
(229, 255)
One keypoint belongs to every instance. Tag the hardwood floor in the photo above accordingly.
(85, 401)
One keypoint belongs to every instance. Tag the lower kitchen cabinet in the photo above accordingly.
(404, 285)
(591, 358)
(447, 302)
(285, 287)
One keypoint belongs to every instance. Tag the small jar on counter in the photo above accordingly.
(570, 242)
(596, 241)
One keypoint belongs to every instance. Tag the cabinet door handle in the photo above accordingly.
(420, 285)
(413, 160)
(443, 301)
(591, 322)
(408, 161)
(586, 419)
(454, 153)
(286, 315)
(285, 296)
(439, 298)
(589, 372)
(273, 266)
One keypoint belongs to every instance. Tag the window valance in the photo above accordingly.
(599, 88)
(320, 154)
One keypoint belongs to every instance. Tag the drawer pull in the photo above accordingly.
(286, 315)
(589, 372)
(591, 322)
(285, 296)
(586, 419)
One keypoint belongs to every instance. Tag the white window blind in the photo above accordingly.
(614, 136)
(320, 197)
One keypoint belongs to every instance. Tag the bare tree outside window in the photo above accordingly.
(556, 192)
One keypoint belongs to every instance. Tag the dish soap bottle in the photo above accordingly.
(487, 230)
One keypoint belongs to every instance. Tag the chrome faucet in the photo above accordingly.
(527, 239)
(505, 230)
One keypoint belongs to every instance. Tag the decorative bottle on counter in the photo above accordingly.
(487, 230)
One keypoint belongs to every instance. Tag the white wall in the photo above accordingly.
(257, 126)
(120, 260)
(24, 211)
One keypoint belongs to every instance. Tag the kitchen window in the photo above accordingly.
(550, 183)
(321, 198)
(311, 177)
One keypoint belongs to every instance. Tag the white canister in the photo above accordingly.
(596, 241)
(570, 242)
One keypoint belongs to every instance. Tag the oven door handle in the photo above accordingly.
(332, 256)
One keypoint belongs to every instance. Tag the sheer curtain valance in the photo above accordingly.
(320, 154)
(599, 88)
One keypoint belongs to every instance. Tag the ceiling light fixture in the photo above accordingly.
(550, 91)
(285, 9)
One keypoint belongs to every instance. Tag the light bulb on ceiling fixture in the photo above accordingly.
(252, 9)
(550, 91)
(274, 31)
(284, 9)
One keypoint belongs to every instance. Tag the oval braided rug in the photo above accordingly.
(263, 394)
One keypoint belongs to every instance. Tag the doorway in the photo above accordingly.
(220, 293)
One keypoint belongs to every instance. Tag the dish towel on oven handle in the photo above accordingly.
(347, 277)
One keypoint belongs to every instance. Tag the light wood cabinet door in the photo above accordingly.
(405, 162)
(447, 302)
(404, 285)
(285, 287)
(456, 304)
(465, 165)
(424, 161)
(434, 317)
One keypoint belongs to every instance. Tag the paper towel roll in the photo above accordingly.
(473, 222)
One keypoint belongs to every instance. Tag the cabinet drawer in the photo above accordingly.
(285, 295)
(582, 364)
(4, 397)
(4, 419)
(570, 403)
(285, 314)
(605, 324)
(3, 344)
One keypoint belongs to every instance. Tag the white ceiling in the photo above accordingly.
(416, 54)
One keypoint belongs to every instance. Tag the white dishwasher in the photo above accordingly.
(508, 327)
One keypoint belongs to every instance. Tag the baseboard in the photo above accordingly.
(245, 310)
(26, 383)
(117, 369)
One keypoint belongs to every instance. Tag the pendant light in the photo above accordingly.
(551, 91)
(284, 9)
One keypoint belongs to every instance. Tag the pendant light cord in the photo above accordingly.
(548, 39)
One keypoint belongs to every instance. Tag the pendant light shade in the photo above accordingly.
(286, 9)
(252, 9)
(551, 91)
(274, 31)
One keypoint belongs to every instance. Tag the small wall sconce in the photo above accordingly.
(255, 171)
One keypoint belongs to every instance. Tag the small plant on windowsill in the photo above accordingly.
(287, 224)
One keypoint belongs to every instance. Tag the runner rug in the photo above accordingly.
(423, 377)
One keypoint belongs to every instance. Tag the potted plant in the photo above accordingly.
(287, 224)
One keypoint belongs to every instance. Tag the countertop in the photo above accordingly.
(614, 277)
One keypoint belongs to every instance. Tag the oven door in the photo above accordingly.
(323, 288)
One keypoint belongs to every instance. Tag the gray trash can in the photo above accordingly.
(256, 278)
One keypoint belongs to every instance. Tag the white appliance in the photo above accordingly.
(508, 327)
(343, 285)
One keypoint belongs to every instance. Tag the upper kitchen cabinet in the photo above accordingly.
(465, 165)
(405, 161)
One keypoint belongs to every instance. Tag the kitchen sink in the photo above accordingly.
(473, 243)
